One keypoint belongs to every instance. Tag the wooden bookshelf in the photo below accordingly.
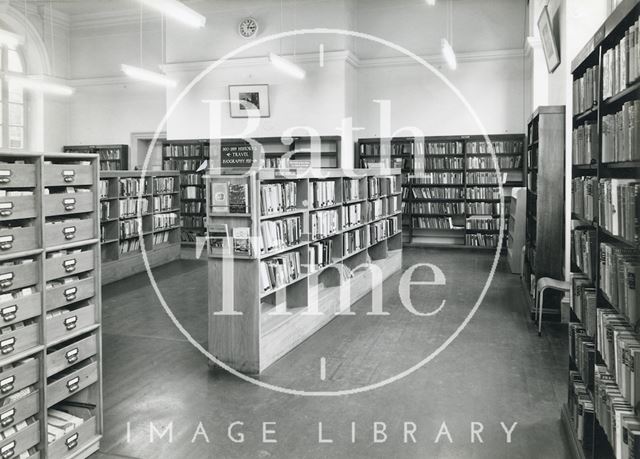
(273, 319)
(448, 213)
(121, 251)
(112, 157)
(599, 240)
(50, 304)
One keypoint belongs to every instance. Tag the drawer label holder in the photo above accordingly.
(7, 418)
(73, 384)
(69, 175)
(7, 384)
(8, 450)
(7, 345)
(69, 232)
(71, 322)
(5, 176)
(69, 203)
(72, 355)
(6, 242)
(9, 313)
(70, 293)
(6, 280)
(69, 265)
(6, 209)
(72, 441)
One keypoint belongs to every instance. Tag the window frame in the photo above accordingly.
(4, 70)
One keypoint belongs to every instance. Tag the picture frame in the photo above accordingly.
(254, 94)
(547, 38)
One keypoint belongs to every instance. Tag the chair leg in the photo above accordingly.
(539, 301)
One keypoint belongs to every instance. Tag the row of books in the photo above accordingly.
(109, 154)
(164, 202)
(583, 252)
(482, 240)
(130, 207)
(444, 148)
(585, 90)
(435, 193)
(190, 165)
(584, 199)
(191, 179)
(397, 148)
(585, 147)
(192, 207)
(105, 210)
(619, 269)
(129, 228)
(482, 193)
(582, 351)
(484, 208)
(353, 215)
(351, 189)
(165, 221)
(353, 241)
(192, 223)
(103, 188)
(161, 238)
(279, 234)
(447, 162)
(381, 186)
(278, 197)
(279, 271)
(164, 184)
(438, 178)
(499, 147)
(320, 254)
(487, 162)
(189, 150)
(438, 208)
(192, 192)
(133, 186)
(581, 410)
(583, 302)
(621, 64)
(129, 245)
(483, 223)
(620, 138)
(485, 178)
(324, 223)
(323, 193)
(619, 205)
(445, 223)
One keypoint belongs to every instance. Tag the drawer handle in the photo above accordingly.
(69, 232)
(6, 280)
(69, 175)
(73, 384)
(69, 204)
(9, 313)
(6, 385)
(72, 355)
(6, 242)
(7, 345)
(72, 441)
(69, 265)
(71, 322)
(6, 209)
(70, 293)
(5, 176)
(7, 418)
(8, 450)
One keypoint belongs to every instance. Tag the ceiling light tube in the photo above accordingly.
(146, 75)
(178, 11)
(40, 85)
(10, 39)
(448, 54)
(287, 66)
(431, 2)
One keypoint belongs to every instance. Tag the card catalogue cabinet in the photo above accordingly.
(133, 206)
(299, 240)
(50, 306)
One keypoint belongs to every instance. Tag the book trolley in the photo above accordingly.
(289, 242)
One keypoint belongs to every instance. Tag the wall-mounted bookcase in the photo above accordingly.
(298, 242)
(450, 187)
(50, 306)
(123, 217)
(112, 157)
(601, 417)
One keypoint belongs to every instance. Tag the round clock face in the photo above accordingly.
(248, 27)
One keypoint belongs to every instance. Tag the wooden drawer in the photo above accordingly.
(17, 175)
(68, 264)
(70, 322)
(70, 384)
(68, 174)
(18, 340)
(13, 277)
(71, 354)
(18, 411)
(74, 440)
(14, 240)
(14, 379)
(68, 203)
(70, 231)
(21, 441)
(16, 207)
(20, 309)
(70, 293)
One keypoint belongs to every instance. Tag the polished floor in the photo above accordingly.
(496, 370)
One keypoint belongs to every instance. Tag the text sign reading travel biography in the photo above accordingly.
(236, 156)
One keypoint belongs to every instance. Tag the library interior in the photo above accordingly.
(438, 259)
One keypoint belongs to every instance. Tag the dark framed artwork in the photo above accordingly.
(547, 37)
(244, 98)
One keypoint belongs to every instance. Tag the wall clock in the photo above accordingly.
(248, 27)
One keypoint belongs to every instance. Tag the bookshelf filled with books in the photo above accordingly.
(450, 186)
(124, 216)
(602, 416)
(112, 157)
(303, 239)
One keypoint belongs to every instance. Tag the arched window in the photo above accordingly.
(12, 116)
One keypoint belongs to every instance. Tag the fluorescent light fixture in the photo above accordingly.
(146, 75)
(178, 11)
(10, 39)
(287, 66)
(40, 85)
(431, 2)
(448, 54)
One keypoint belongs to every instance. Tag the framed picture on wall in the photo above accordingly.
(547, 37)
(245, 98)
